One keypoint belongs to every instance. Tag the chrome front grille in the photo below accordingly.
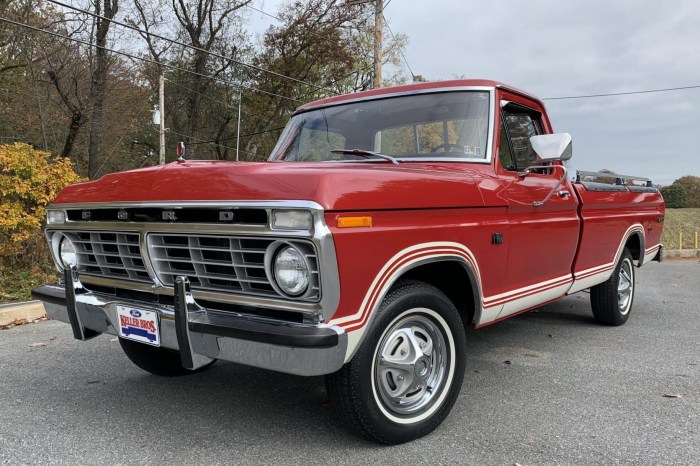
(109, 254)
(223, 263)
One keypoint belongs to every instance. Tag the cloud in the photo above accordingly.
(558, 48)
(554, 48)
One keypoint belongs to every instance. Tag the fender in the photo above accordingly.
(403, 261)
(595, 275)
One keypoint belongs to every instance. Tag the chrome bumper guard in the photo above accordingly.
(202, 335)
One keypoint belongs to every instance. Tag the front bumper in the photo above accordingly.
(202, 335)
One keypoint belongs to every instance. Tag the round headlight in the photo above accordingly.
(291, 271)
(69, 257)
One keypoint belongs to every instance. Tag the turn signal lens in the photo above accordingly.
(292, 219)
(55, 216)
(354, 222)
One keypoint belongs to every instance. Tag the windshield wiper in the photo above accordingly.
(366, 154)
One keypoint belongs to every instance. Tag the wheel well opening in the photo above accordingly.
(635, 247)
(452, 278)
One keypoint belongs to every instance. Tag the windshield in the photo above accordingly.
(439, 125)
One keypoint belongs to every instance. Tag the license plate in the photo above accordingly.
(138, 325)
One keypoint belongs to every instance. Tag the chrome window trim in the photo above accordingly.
(320, 235)
(432, 90)
(489, 138)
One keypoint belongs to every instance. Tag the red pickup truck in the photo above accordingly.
(383, 223)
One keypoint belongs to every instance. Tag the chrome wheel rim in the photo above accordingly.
(410, 365)
(625, 286)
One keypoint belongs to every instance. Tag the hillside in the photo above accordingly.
(686, 221)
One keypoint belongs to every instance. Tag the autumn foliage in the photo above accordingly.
(29, 180)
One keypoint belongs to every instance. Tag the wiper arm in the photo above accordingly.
(366, 154)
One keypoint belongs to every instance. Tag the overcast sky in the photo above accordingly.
(558, 48)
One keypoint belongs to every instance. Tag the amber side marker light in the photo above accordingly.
(354, 222)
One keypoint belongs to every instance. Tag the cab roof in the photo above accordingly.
(410, 88)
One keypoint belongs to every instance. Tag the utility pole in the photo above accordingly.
(161, 107)
(238, 126)
(378, 29)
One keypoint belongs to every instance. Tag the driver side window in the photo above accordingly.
(517, 126)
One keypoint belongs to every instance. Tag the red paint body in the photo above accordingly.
(424, 202)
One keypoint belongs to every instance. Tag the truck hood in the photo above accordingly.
(335, 186)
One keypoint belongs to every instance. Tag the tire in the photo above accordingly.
(158, 361)
(612, 300)
(419, 335)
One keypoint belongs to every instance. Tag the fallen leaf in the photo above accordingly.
(36, 344)
(673, 395)
(20, 321)
(52, 338)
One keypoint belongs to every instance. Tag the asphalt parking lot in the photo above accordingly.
(571, 392)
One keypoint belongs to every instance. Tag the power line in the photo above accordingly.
(248, 5)
(649, 91)
(253, 89)
(360, 23)
(218, 101)
(199, 49)
(148, 60)
(114, 148)
(386, 21)
(278, 128)
(201, 141)
(216, 141)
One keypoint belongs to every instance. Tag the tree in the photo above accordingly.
(675, 196)
(107, 9)
(322, 42)
(691, 184)
(29, 181)
(207, 24)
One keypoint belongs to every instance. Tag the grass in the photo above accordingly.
(20, 273)
(686, 221)
(16, 285)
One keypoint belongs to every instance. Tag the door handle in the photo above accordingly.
(563, 193)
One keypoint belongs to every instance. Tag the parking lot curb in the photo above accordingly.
(18, 312)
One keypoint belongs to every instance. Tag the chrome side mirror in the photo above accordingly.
(551, 147)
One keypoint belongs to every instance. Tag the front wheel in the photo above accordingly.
(406, 375)
(612, 300)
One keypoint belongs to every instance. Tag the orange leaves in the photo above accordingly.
(29, 180)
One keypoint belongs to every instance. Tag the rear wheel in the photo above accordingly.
(158, 361)
(406, 375)
(612, 300)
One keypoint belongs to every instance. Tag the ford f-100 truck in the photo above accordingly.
(383, 223)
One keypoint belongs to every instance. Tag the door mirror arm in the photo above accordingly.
(532, 169)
